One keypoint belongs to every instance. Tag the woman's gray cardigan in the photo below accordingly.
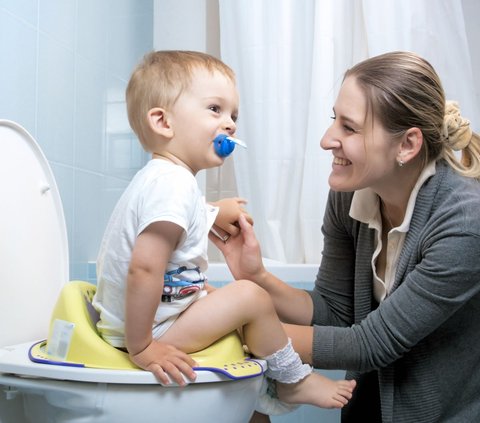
(424, 338)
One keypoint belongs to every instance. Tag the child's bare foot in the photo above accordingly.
(318, 390)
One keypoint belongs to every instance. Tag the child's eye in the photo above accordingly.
(214, 108)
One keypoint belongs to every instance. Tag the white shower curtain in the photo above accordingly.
(289, 56)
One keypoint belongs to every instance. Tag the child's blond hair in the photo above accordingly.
(159, 80)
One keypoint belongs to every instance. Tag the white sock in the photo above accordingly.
(285, 365)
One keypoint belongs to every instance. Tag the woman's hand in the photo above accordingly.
(242, 252)
(230, 210)
(166, 362)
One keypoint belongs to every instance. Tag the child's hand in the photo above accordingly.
(166, 362)
(228, 215)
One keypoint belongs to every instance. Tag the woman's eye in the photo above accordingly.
(349, 129)
(346, 128)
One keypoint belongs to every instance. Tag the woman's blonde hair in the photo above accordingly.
(404, 91)
(159, 80)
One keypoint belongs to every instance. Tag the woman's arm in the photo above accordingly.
(243, 256)
(333, 295)
(437, 279)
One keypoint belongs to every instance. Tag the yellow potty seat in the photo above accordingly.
(73, 340)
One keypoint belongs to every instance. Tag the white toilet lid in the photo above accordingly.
(33, 239)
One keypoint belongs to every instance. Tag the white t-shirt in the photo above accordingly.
(161, 191)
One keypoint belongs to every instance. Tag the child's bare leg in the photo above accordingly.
(239, 304)
(316, 389)
(245, 304)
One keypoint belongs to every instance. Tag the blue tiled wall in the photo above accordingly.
(64, 66)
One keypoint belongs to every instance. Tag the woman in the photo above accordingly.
(397, 295)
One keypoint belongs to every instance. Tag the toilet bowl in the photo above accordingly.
(83, 382)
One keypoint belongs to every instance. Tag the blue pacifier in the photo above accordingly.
(225, 144)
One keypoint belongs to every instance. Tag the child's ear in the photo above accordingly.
(159, 122)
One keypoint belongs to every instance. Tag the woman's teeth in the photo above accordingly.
(340, 161)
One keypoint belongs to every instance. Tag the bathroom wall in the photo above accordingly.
(64, 65)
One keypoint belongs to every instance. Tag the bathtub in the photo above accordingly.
(297, 275)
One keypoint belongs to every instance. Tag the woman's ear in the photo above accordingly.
(410, 146)
(159, 122)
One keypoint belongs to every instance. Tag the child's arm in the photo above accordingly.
(229, 211)
(151, 252)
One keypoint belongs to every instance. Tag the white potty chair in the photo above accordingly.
(74, 376)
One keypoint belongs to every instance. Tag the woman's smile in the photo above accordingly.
(341, 161)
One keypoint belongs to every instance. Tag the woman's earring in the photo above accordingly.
(400, 163)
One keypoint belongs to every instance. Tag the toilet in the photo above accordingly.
(79, 384)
